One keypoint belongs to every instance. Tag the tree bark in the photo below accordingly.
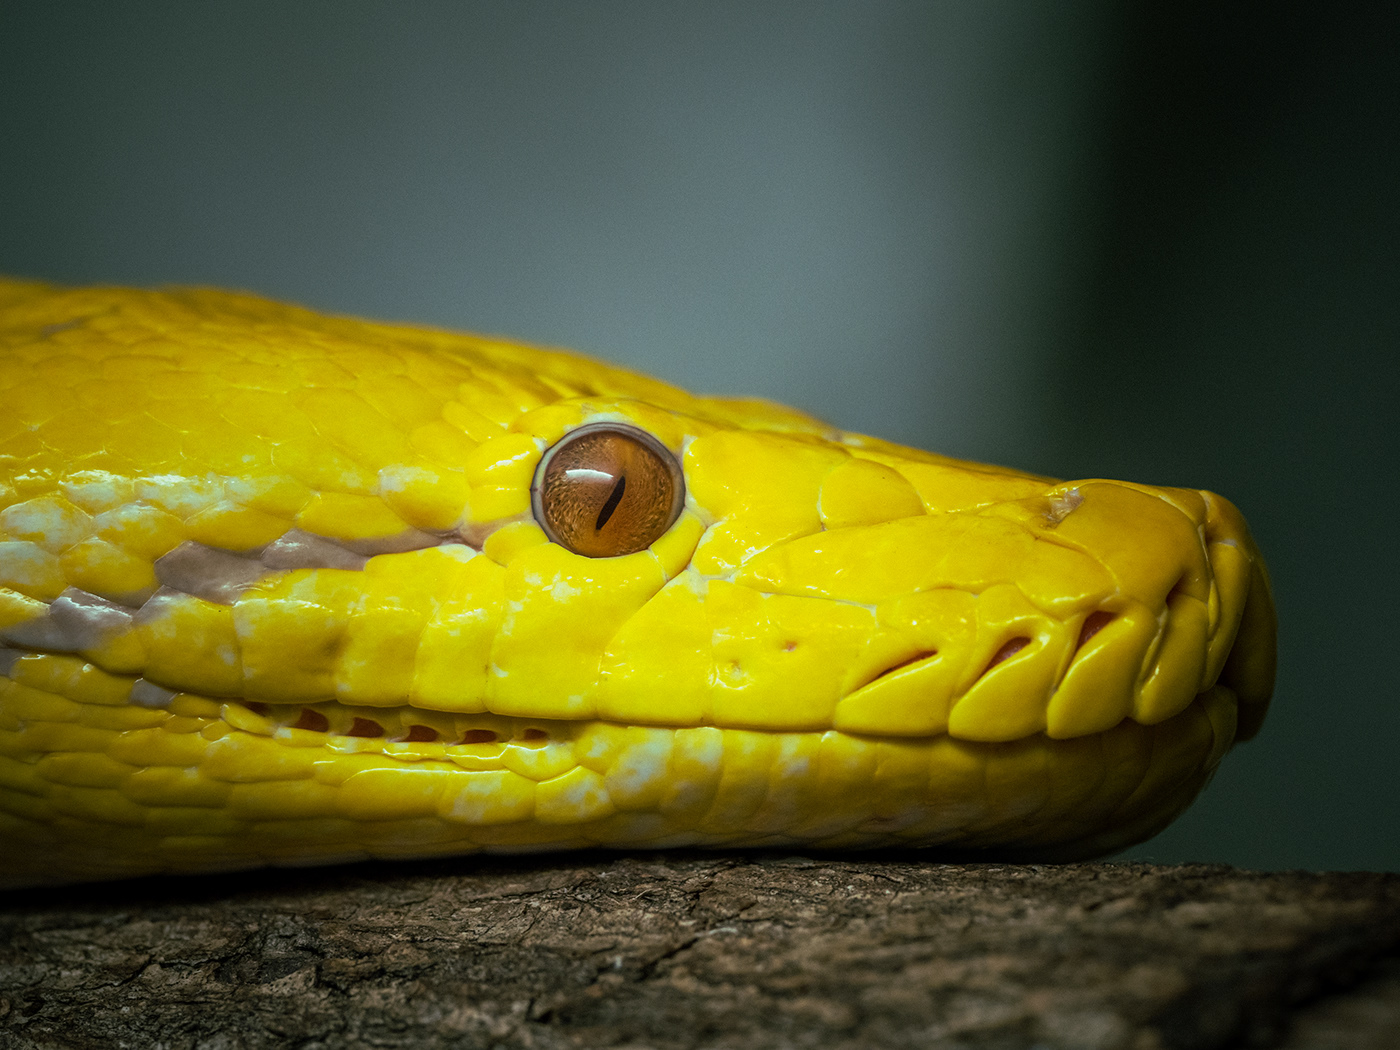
(719, 950)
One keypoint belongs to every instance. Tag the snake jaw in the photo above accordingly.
(308, 614)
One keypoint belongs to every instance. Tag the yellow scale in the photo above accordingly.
(277, 587)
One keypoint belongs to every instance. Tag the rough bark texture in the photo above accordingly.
(707, 951)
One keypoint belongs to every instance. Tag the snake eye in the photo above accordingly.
(607, 489)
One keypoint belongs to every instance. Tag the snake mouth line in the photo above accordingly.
(407, 732)
(412, 733)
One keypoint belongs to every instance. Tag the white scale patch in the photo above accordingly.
(148, 694)
(76, 620)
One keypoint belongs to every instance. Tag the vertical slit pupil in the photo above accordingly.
(614, 498)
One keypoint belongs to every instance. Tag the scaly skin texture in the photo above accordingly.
(271, 592)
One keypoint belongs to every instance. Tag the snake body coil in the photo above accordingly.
(284, 588)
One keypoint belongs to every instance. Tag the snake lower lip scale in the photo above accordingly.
(282, 588)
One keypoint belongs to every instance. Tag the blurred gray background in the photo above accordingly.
(1088, 239)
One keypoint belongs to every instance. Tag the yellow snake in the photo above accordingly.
(283, 588)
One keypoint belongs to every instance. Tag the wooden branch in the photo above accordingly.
(728, 950)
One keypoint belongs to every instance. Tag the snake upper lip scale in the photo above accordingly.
(283, 588)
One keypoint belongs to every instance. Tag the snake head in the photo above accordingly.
(468, 594)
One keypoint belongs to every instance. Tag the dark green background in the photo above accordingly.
(1146, 241)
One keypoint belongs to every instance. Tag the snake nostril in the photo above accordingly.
(1093, 624)
(365, 727)
(312, 720)
(1006, 652)
(478, 736)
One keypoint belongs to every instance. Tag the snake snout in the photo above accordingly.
(1245, 649)
(1216, 627)
(1189, 610)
